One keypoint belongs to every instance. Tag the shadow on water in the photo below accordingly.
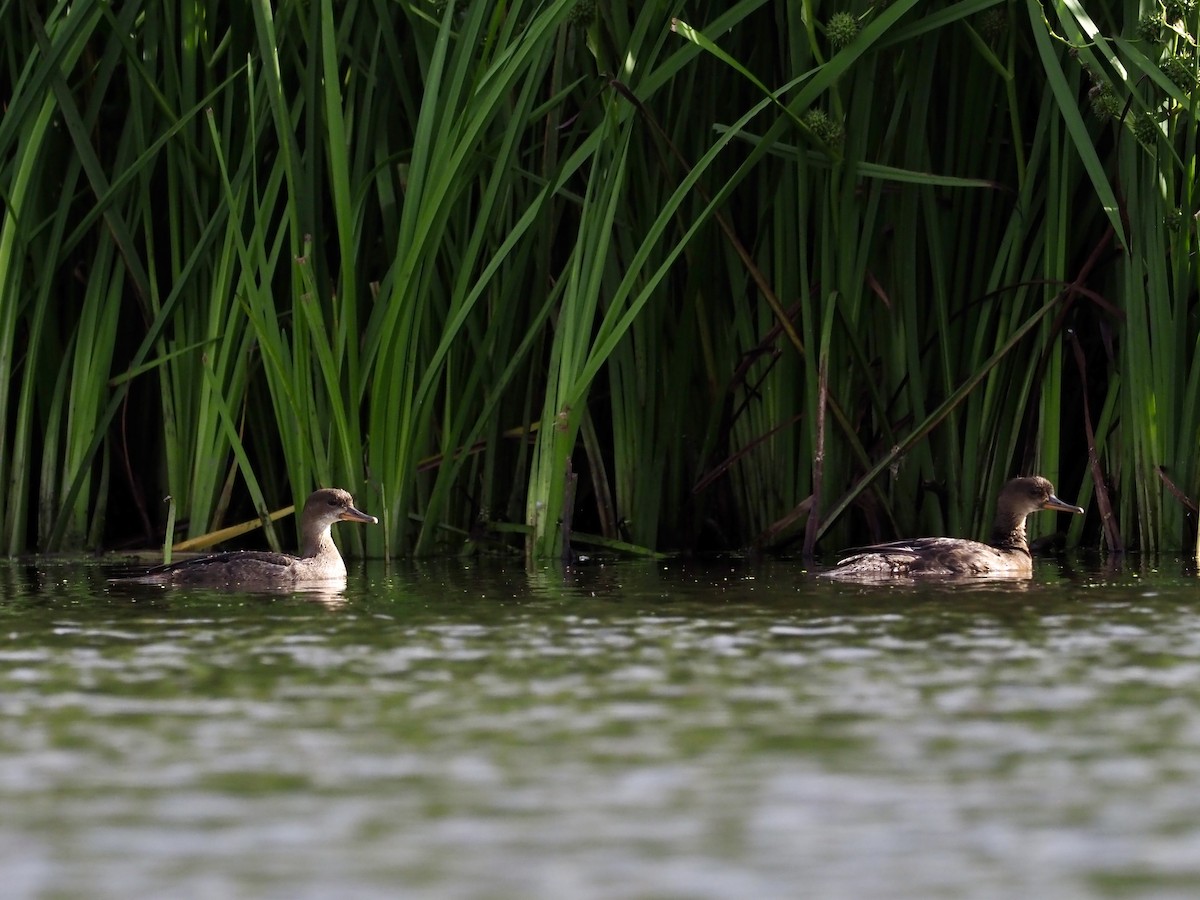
(725, 728)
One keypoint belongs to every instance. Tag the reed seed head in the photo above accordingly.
(1105, 102)
(1146, 130)
(583, 13)
(1152, 26)
(841, 29)
(1182, 72)
(825, 129)
(993, 25)
(1176, 10)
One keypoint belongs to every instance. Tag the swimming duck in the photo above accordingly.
(1007, 553)
(319, 560)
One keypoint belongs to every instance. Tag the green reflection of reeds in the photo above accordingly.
(790, 275)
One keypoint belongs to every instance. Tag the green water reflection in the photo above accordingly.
(725, 730)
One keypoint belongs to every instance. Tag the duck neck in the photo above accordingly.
(320, 555)
(1009, 534)
(318, 544)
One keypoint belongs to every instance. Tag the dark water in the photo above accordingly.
(630, 730)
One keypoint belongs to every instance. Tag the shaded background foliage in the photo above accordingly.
(785, 275)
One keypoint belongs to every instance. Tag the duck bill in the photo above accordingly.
(1061, 506)
(355, 515)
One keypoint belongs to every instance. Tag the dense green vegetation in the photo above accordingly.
(724, 274)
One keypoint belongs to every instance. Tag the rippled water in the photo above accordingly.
(630, 730)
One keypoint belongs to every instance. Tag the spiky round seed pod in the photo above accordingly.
(841, 29)
(824, 129)
(1105, 102)
(816, 120)
(1146, 130)
(993, 25)
(1151, 27)
(583, 13)
(1181, 70)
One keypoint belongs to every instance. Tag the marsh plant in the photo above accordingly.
(533, 275)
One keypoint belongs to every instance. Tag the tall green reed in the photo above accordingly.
(769, 276)
(1140, 69)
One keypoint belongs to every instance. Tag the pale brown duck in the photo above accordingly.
(319, 560)
(1006, 554)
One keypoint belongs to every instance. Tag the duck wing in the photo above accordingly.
(233, 567)
(923, 556)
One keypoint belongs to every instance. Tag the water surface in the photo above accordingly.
(629, 730)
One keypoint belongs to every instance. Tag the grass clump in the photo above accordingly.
(523, 275)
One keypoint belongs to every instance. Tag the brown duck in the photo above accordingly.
(319, 560)
(1006, 554)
